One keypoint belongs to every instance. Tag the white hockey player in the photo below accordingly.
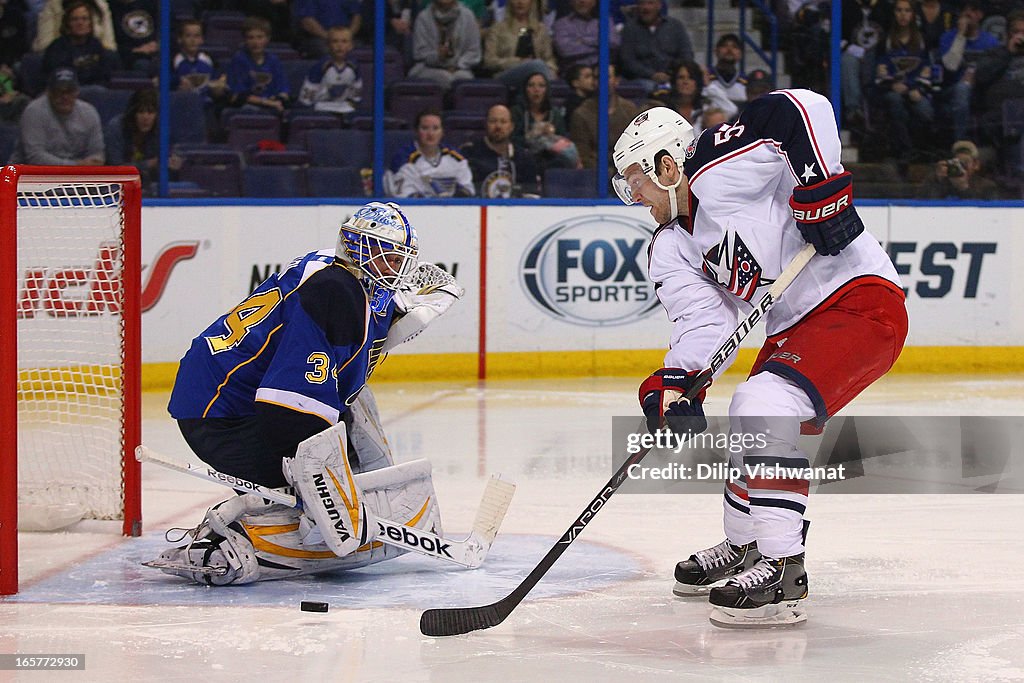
(734, 206)
(274, 392)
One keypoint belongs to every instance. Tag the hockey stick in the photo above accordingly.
(469, 552)
(454, 621)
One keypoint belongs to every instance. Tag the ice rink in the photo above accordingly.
(922, 587)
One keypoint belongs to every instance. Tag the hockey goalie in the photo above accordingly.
(274, 392)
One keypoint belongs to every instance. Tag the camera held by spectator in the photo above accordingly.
(954, 168)
(959, 176)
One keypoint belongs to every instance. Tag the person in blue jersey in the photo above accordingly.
(287, 363)
(256, 77)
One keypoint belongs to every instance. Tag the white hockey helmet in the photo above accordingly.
(648, 134)
(371, 240)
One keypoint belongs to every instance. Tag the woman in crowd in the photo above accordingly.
(133, 139)
(428, 168)
(540, 126)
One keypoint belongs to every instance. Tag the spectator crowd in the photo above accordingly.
(490, 98)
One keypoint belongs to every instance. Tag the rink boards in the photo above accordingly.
(561, 290)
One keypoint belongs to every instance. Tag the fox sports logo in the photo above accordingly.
(591, 270)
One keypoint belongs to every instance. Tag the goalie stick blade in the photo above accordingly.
(453, 622)
(207, 571)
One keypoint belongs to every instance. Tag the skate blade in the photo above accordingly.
(686, 590)
(784, 615)
(188, 568)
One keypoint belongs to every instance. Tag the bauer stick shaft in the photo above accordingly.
(469, 552)
(455, 621)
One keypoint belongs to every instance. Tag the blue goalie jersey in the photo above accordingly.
(305, 340)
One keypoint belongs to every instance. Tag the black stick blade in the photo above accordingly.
(453, 622)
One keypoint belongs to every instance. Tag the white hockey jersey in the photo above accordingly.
(446, 175)
(740, 234)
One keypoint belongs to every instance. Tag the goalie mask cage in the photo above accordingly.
(70, 414)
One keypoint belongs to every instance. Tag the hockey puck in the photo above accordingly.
(313, 606)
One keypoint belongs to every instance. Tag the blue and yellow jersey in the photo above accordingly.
(305, 340)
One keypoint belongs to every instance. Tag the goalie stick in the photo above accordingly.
(458, 620)
(469, 552)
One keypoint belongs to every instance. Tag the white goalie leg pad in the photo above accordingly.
(331, 498)
(402, 493)
(219, 552)
(366, 435)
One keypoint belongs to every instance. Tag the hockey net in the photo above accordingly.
(70, 407)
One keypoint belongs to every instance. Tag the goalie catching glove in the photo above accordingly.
(662, 396)
(427, 294)
(825, 215)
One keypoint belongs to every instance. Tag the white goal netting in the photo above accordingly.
(70, 353)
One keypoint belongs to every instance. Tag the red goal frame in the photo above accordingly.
(128, 178)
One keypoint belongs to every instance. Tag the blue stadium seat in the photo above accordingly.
(335, 181)
(246, 129)
(129, 80)
(275, 181)
(108, 103)
(459, 128)
(406, 99)
(570, 183)
(342, 147)
(362, 122)
(288, 157)
(632, 91)
(478, 95)
(223, 27)
(216, 170)
(300, 122)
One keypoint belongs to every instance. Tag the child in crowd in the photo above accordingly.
(256, 77)
(333, 84)
(193, 69)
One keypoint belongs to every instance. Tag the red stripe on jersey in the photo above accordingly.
(737, 491)
(810, 132)
(800, 486)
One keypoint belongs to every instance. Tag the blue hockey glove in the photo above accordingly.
(661, 397)
(825, 215)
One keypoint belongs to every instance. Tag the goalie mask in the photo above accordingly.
(381, 244)
(648, 134)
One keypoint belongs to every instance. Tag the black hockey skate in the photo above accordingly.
(767, 594)
(706, 567)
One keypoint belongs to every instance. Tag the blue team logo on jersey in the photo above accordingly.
(590, 271)
(732, 265)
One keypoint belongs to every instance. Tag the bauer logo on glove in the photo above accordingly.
(663, 399)
(825, 215)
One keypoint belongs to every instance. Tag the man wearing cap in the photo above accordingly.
(959, 177)
(758, 83)
(58, 129)
(725, 80)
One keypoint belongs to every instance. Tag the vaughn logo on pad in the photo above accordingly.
(591, 270)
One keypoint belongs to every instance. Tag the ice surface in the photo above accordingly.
(903, 587)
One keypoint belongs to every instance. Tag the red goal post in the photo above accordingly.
(70, 357)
